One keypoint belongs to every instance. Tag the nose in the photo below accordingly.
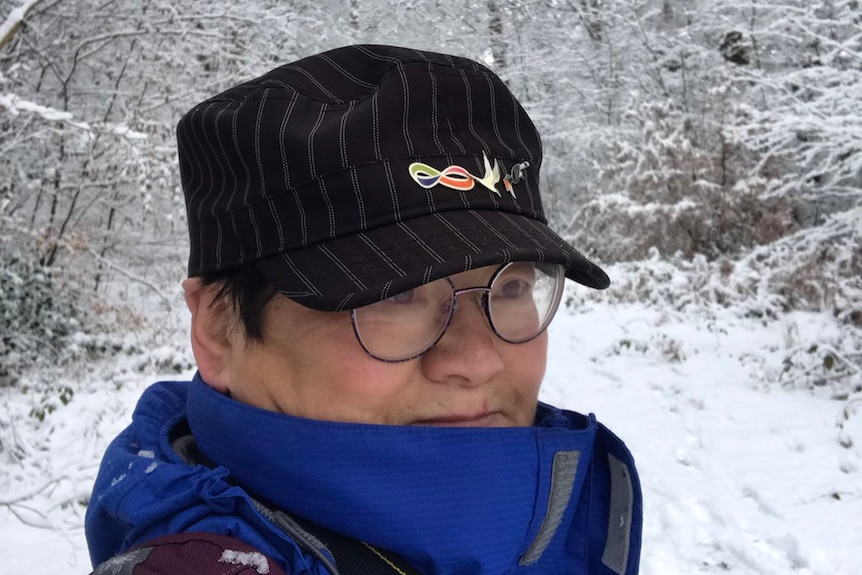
(468, 353)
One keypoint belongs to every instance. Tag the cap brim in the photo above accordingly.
(360, 269)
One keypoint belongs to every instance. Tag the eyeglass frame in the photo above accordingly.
(486, 305)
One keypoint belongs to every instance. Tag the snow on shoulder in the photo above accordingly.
(253, 559)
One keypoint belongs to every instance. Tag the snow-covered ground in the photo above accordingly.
(739, 474)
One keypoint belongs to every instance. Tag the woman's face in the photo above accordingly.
(310, 364)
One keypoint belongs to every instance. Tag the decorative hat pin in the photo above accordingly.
(458, 178)
(514, 176)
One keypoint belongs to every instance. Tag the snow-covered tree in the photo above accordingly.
(697, 127)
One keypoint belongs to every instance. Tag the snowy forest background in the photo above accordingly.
(709, 152)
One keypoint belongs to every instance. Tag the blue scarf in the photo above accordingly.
(449, 500)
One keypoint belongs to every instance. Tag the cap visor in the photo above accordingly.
(360, 269)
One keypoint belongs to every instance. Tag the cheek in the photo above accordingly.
(526, 370)
(365, 381)
(532, 360)
(341, 382)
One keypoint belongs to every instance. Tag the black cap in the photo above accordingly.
(352, 175)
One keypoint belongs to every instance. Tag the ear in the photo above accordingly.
(211, 343)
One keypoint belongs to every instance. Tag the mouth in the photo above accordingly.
(488, 419)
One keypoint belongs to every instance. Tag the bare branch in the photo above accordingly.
(14, 21)
(125, 273)
(30, 495)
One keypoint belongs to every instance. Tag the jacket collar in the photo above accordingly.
(450, 500)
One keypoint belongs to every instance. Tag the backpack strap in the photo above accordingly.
(356, 557)
(183, 553)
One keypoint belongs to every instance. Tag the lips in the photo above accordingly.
(486, 419)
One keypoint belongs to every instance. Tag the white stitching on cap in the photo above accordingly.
(357, 192)
(529, 196)
(344, 72)
(342, 140)
(192, 156)
(257, 123)
(343, 303)
(393, 194)
(517, 124)
(314, 81)
(541, 229)
(384, 293)
(303, 226)
(422, 55)
(514, 223)
(330, 211)
(368, 52)
(415, 237)
(435, 126)
(457, 233)
(470, 125)
(226, 163)
(375, 126)
(342, 266)
(281, 139)
(302, 277)
(277, 221)
(302, 219)
(455, 138)
(233, 129)
(404, 126)
(382, 255)
(492, 229)
(435, 121)
(310, 140)
(494, 115)
(206, 158)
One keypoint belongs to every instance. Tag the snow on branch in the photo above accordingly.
(15, 105)
(13, 21)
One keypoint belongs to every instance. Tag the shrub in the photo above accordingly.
(40, 307)
(679, 189)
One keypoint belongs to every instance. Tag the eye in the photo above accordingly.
(513, 288)
(403, 297)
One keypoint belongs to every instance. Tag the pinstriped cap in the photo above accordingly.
(355, 174)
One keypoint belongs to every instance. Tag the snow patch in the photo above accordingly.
(254, 559)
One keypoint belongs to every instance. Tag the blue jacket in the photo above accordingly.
(561, 496)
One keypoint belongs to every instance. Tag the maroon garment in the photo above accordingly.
(191, 554)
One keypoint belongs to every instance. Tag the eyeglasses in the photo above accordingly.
(519, 301)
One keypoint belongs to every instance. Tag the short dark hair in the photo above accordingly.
(247, 291)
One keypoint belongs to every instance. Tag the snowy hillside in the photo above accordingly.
(740, 473)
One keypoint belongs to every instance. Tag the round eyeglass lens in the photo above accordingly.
(405, 325)
(524, 298)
